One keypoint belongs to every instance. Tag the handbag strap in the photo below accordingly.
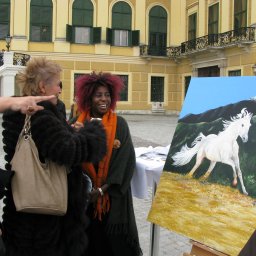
(26, 130)
(25, 133)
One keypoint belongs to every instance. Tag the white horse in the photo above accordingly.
(218, 148)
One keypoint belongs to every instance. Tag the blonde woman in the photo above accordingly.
(27, 234)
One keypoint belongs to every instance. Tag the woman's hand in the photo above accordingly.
(93, 195)
(26, 105)
(77, 125)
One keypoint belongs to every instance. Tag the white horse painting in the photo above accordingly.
(218, 148)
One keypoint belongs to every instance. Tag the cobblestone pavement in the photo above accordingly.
(154, 130)
(146, 130)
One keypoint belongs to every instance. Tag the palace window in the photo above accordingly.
(41, 20)
(187, 82)
(82, 31)
(121, 34)
(192, 26)
(157, 31)
(213, 24)
(213, 19)
(157, 89)
(4, 18)
(124, 92)
(234, 72)
(240, 14)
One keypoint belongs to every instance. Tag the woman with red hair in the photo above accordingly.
(112, 229)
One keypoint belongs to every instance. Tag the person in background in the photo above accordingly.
(60, 104)
(74, 112)
(26, 234)
(113, 229)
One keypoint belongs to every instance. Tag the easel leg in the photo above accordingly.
(154, 240)
(154, 231)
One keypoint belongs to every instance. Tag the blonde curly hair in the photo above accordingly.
(37, 70)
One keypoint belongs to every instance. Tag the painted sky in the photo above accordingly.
(207, 93)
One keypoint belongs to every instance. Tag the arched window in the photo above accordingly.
(121, 33)
(157, 31)
(4, 18)
(82, 31)
(122, 16)
(82, 13)
(41, 20)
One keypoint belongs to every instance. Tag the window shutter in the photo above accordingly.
(158, 20)
(96, 35)
(5, 1)
(35, 15)
(78, 18)
(82, 13)
(109, 36)
(5, 13)
(4, 30)
(35, 33)
(135, 38)
(121, 16)
(69, 33)
(129, 38)
(45, 15)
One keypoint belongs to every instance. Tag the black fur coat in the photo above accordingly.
(34, 234)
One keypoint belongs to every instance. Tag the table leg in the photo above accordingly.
(154, 231)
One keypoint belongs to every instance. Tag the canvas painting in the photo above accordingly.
(207, 190)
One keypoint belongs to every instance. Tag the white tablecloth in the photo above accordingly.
(149, 166)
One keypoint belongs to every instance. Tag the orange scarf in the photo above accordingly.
(109, 122)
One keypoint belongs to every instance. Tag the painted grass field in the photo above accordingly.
(215, 215)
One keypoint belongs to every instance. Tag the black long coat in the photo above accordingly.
(34, 234)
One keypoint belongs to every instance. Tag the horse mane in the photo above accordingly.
(244, 114)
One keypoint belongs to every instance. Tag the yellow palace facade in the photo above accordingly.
(155, 46)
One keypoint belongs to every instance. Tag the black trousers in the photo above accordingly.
(102, 244)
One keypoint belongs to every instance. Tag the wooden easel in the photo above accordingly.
(199, 249)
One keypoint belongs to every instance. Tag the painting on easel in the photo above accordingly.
(207, 190)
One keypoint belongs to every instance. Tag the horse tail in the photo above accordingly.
(186, 153)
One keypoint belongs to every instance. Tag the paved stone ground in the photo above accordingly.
(154, 130)
(146, 130)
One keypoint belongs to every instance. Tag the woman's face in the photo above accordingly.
(101, 101)
(52, 88)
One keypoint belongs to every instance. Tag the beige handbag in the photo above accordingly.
(37, 187)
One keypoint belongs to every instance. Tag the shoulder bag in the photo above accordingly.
(37, 187)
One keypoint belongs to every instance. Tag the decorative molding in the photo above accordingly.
(208, 63)
(10, 71)
(20, 37)
(210, 56)
(60, 39)
(245, 47)
(88, 57)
